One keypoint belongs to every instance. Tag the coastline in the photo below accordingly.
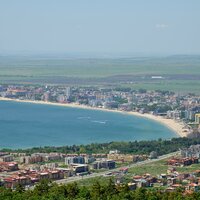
(176, 127)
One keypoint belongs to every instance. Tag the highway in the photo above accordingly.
(94, 175)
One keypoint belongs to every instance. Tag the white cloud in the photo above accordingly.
(162, 26)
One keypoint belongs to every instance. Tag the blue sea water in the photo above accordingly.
(24, 125)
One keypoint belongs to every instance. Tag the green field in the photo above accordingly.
(180, 73)
(154, 169)
(160, 167)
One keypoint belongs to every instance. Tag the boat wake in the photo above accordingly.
(84, 117)
(99, 122)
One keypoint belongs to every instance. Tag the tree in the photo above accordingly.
(110, 189)
(19, 189)
(42, 188)
(84, 193)
(5, 193)
(72, 190)
(140, 194)
(96, 190)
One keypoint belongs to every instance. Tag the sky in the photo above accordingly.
(100, 26)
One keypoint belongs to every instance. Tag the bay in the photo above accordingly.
(24, 125)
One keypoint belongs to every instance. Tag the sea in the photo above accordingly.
(25, 125)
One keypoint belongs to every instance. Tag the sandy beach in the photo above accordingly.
(177, 127)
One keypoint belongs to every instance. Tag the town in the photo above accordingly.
(27, 170)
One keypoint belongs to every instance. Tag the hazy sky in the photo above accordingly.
(98, 26)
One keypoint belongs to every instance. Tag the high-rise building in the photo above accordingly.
(68, 92)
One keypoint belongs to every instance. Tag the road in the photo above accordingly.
(94, 175)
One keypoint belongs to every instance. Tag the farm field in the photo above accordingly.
(175, 73)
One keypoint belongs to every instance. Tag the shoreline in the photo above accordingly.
(176, 127)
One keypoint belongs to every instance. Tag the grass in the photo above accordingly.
(154, 169)
(188, 169)
(160, 167)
